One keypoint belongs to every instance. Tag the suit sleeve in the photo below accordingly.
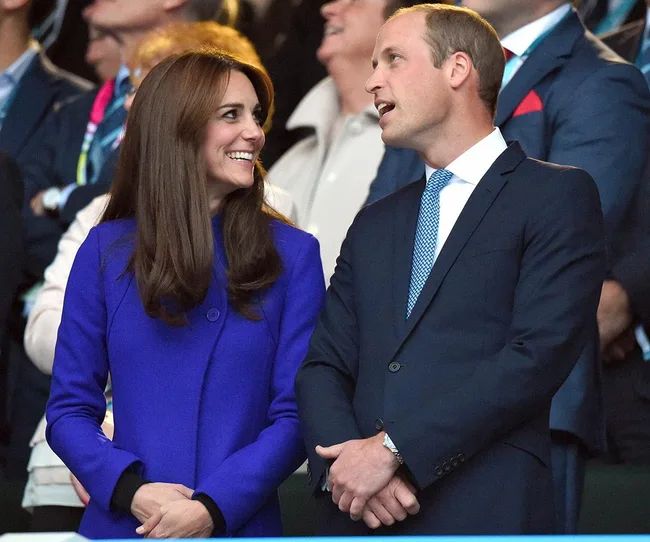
(77, 404)
(246, 479)
(554, 310)
(603, 127)
(11, 238)
(327, 378)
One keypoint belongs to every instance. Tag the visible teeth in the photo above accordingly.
(332, 30)
(240, 155)
(383, 107)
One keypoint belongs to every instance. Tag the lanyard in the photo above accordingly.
(615, 18)
(517, 60)
(97, 113)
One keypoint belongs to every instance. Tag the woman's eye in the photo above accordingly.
(232, 114)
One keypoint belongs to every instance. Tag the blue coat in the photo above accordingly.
(209, 405)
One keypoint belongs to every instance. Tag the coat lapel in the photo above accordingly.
(405, 223)
(27, 111)
(550, 55)
(477, 206)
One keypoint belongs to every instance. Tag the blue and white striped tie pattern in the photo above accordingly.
(426, 235)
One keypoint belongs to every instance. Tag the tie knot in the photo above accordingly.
(438, 180)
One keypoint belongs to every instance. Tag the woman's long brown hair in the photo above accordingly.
(161, 182)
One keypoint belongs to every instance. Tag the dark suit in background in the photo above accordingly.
(38, 90)
(572, 102)
(464, 386)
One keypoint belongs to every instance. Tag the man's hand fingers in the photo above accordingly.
(345, 501)
(337, 493)
(150, 524)
(370, 519)
(390, 503)
(356, 508)
(330, 452)
(407, 499)
(380, 512)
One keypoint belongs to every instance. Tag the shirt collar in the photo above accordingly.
(319, 109)
(474, 163)
(122, 75)
(22, 63)
(521, 39)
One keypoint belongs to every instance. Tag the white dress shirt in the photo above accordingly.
(468, 169)
(521, 39)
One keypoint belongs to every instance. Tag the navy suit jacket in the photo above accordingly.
(572, 102)
(11, 240)
(53, 162)
(209, 405)
(42, 86)
(464, 386)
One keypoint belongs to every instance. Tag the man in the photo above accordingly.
(29, 83)
(443, 373)
(624, 310)
(323, 172)
(569, 100)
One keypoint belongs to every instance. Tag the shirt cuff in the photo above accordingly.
(125, 490)
(65, 194)
(218, 520)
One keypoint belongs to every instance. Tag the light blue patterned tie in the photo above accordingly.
(426, 235)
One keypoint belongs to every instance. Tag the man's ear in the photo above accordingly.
(459, 67)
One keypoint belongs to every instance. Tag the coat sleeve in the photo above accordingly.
(246, 479)
(326, 380)
(553, 313)
(603, 127)
(77, 405)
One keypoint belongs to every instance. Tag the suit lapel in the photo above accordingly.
(550, 55)
(405, 223)
(471, 216)
(28, 109)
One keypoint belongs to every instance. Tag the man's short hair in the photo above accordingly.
(451, 29)
(393, 5)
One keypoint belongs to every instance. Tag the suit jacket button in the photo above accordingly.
(461, 458)
(438, 471)
(379, 424)
(394, 366)
(454, 463)
(212, 315)
(446, 466)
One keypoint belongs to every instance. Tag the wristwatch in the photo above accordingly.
(52, 198)
(388, 443)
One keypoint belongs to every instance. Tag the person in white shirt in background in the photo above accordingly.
(328, 174)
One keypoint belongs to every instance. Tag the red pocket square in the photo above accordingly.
(531, 103)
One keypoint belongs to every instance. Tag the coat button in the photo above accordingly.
(446, 466)
(454, 463)
(438, 471)
(212, 315)
(379, 424)
(394, 366)
(461, 458)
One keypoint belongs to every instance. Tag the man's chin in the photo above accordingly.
(392, 139)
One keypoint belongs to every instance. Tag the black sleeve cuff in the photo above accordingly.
(125, 490)
(218, 520)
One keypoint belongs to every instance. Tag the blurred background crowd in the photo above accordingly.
(69, 68)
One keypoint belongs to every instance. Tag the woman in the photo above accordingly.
(201, 301)
(49, 494)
